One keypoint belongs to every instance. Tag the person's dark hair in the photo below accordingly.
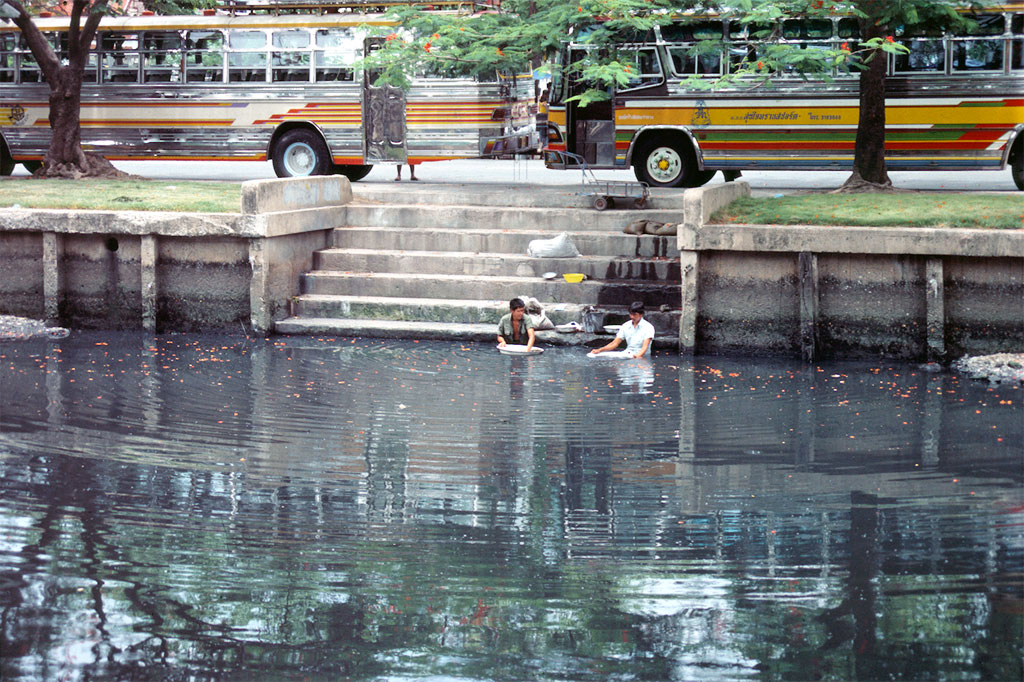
(636, 307)
(516, 304)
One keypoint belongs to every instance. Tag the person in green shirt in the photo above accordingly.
(516, 327)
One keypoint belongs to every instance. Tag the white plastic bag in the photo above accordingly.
(556, 247)
(537, 314)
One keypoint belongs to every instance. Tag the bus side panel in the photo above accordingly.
(446, 119)
(457, 119)
(24, 111)
(937, 127)
(182, 122)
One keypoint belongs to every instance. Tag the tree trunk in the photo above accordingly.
(65, 123)
(869, 148)
(65, 157)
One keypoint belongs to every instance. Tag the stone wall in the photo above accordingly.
(833, 291)
(170, 271)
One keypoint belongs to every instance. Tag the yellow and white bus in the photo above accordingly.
(256, 85)
(955, 102)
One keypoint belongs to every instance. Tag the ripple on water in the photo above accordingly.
(379, 509)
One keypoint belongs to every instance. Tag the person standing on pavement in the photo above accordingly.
(516, 327)
(412, 172)
(638, 333)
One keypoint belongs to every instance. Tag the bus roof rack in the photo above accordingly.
(235, 7)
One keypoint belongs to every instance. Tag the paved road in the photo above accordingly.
(534, 172)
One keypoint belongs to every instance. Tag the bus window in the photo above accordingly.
(925, 56)
(978, 55)
(336, 50)
(807, 29)
(60, 41)
(119, 62)
(247, 60)
(1017, 44)
(809, 34)
(745, 46)
(8, 58)
(161, 56)
(204, 60)
(290, 58)
(692, 56)
(690, 33)
(644, 67)
(688, 61)
(848, 29)
(28, 70)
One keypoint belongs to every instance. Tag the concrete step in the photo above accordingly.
(456, 310)
(501, 217)
(401, 329)
(524, 196)
(447, 286)
(468, 311)
(488, 240)
(495, 264)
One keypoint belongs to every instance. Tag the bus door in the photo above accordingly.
(590, 130)
(384, 129)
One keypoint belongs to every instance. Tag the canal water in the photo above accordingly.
(221, 508)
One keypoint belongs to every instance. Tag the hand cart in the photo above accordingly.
(604, 193)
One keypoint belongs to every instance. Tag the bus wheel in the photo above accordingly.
(1017, 168)
(32, 166)
(668, 164)
(353, 173)
(6, 162)
(299, 153)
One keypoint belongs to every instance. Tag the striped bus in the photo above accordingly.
(954, 102)
(250, 85)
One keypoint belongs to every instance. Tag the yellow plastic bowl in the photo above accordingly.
(574, 277)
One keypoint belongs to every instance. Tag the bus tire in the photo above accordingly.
(352, 172)
(6, 162)
(301, 152)
(32, 166)
(1017, 165)
(668, 162)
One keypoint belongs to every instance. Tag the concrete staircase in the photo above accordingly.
(442, 262)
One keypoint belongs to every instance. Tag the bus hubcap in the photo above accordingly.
(664, 164)
(299, 159)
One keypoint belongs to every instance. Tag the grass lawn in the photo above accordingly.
(902, 209)
(122, 195)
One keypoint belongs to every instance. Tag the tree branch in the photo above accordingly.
(43, 52)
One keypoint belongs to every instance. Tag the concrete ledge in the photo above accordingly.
(700, 202)
(411, 329)
(167, 270)
(294, 194)
(919, 241)
(168, 224)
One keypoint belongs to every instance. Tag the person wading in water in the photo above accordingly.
(516, 327)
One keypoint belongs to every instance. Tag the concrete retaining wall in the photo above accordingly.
(170, 271)
(816, 291)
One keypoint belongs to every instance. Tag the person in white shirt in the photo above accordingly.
(637, 333)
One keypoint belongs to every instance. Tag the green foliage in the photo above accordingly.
(168, 7)
(524, 34)
(879, 210)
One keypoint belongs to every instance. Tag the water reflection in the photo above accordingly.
(218, 508)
